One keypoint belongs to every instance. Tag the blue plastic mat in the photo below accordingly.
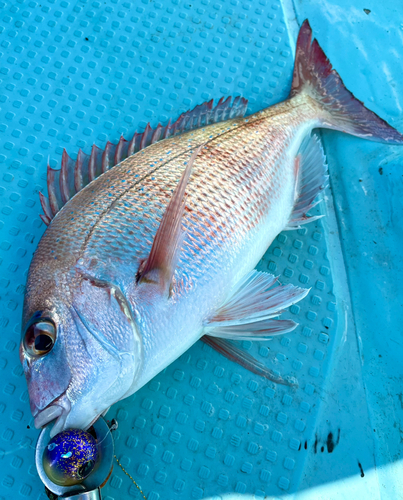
(77, 73)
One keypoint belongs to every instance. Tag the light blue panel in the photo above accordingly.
(364, 42)
(75, 73)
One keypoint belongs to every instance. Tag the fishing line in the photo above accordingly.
(113, 426)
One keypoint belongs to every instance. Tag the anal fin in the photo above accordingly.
(233, 353)
(311, 179)
(257, 330)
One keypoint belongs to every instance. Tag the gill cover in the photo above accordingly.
(95, 356)
(113, 350)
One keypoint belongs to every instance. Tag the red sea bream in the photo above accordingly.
(140, 262)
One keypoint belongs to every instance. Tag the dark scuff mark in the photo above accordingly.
(306, 445)
(361, 469)
(299, 446)
(330, 443)
(367, 11)
(380, 170)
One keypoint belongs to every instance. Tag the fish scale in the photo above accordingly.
(267, 184)
(220, 185)
(108, 188)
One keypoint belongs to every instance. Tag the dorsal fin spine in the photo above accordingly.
(92, 166)
(167, 130)
(157, 134)
(119, 150)
(47, 211)
(132, 144)
(78, 171)
(63, 179)
(106, 156)
(52, 179)
(73, 176)
(145, 136)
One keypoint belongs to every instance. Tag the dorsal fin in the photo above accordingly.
(160, 265)
(311, 179)
(63, 184)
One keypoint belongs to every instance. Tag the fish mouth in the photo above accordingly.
(54, 411)
(57, 411)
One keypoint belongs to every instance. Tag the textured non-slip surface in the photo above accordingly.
(364, 396)
(205, 426)
(77, 73)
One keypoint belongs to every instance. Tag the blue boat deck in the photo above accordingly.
(74, 73)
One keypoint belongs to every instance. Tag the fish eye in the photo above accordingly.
(40, 338)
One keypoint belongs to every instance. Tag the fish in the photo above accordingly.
(142, 259)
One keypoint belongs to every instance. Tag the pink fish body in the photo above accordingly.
(160, 250)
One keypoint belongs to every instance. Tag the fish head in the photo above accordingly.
(80, 350)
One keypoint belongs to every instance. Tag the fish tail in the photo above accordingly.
(314, 75)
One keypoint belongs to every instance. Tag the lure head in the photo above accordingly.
(80, 349)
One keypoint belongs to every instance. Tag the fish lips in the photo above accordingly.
(58, 410)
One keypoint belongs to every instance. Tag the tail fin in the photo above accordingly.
(313, 74)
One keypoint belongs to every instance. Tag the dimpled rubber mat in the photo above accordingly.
(77, 73)
(205, 427)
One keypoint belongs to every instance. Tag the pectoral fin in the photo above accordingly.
(159, 267)
(258, 330)
(251, 307)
